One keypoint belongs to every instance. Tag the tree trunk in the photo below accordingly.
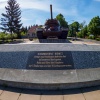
(11, 36)
(18, 35)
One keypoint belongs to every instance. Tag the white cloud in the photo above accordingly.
(42, 5)
(31, 9)
(34, 4)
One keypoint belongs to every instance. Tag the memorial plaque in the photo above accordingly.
(50, 60)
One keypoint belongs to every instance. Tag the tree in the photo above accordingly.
(84, 31)
(74, 28)
(62, 20)
(11, 20)
(94, 26)
(24, 29)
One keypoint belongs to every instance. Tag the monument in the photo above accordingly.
(52, 29)
(59, 65)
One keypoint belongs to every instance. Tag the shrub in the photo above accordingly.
(2, 36)
(8, 36)
(79, 34)
(98, 39)
(23, 34)
(9, 41)
(1, 41)
(91, 37)
(14, 36)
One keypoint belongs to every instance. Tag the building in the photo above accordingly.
(32, 32)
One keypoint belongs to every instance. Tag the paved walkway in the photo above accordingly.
(78, 41)
(85, 41)
(91, 93)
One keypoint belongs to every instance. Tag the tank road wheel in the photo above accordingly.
(39, 34)
(64, 35)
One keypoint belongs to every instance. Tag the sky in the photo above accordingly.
(38, 11)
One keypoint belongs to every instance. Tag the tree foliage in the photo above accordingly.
(94, 26)
(11, 19)
(62, 20)
(75, 26)
(83, 32)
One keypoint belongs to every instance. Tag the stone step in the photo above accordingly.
(50, 79)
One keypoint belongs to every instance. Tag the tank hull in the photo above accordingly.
(52, 34)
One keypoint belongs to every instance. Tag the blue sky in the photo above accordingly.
(37, 11)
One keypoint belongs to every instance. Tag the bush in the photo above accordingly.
(5, 41)
(91, 37)
(2, 36)
(9, 36)
(89, 33)
(23, 34)
(1, 41)
(98, 39)
(79, 34)
(15, 36)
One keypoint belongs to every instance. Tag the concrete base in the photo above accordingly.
(14, 60)
(50, 79)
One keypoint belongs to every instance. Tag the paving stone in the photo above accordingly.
(1, 89)
(29, 97)
(52, 95)
(73, 94)
(92, 93)
(27, 94)
(10, 94)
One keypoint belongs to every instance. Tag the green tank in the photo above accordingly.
(52, 29)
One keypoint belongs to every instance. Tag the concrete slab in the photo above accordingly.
(13, 74)
(2, 72)
(48, 47)
(88, 74)
(84, 75)
(50, 76)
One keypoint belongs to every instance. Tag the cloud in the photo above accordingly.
(37, 11)
(34, 4)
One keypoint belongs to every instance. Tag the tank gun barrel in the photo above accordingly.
(51, 11)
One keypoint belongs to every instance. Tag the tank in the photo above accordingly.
(52, 29)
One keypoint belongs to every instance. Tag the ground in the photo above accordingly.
(78, 41)
(91, 93)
